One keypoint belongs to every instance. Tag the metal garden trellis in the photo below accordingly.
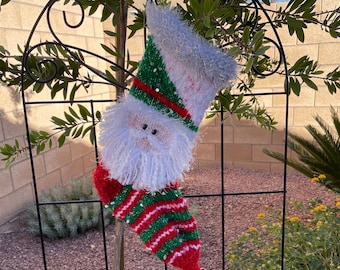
(70, 49)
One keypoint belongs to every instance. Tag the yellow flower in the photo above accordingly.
(318, 224)
(264, 226)
(252, 229)
(314, 180)
(260, 215)
(337, 204)
(318, 208)
(322, 176)
(275, 241)
(293, 219)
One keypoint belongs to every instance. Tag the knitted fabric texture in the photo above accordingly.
(153, 86)
(161, 220)
(180, 72)
(196, 68)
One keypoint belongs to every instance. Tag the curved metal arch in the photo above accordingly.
(29, 49)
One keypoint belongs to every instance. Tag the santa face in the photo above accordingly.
(144, 147)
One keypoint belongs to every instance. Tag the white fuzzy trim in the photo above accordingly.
(166, 156)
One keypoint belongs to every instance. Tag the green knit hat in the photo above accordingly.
(153, 86)
(180, 72)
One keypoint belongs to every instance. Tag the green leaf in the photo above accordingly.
(70, 118)
(331, 87)
(206, 21)
(262, 50)
(300, 34)
(58, 121)
(92, 136)
(310, 83)
(246, 34)
(109, 50)
(295, 86)
(210, 32)
(225, 101)
(4, 2)
(236, 102)
(40, 148)
(98, 115)
(196, 6)
(77, 132)
(38, 87)
(110, 33)
(293, 4)
(84, 112)
(61, 140)
(234, 51)
(74, 91)
(242, 109)
(93, 8)
(249, 64)
(86, 130)
(73, 112)
(105, 14)
(257, 40)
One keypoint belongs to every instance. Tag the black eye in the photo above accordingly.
(145, 126)
(154, 131)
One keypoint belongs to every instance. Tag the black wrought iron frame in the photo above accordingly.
(25, 70)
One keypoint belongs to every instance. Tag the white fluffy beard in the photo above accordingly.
(134, 155)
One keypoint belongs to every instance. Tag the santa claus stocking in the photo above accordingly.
(148, 136)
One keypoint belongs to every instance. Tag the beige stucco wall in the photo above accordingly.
(243, 141)
(58, 165)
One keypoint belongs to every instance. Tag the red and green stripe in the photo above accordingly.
(161, 220)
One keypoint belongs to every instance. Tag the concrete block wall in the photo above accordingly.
(243, 140)
(58, 165)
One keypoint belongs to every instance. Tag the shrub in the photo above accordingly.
(68, 219)
(321, 157)
(312, 240)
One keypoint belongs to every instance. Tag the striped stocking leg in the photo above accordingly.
(160, 219)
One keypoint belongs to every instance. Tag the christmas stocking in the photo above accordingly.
(161, 220)
(148, 136)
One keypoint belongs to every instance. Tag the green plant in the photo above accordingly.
(233, 25)
(321, 157)
(68, 220)
(312, 241)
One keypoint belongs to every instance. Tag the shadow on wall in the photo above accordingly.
(52, 167)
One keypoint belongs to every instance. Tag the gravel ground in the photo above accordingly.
(20, 250)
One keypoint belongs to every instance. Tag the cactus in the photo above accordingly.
(64, 220)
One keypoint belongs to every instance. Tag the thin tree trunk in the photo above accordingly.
(120, 43)
(118, 260)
